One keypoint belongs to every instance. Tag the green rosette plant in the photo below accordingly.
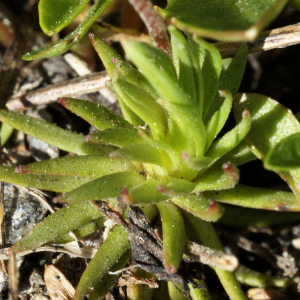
(165, 155)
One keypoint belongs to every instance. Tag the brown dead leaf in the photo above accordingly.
(57, 284)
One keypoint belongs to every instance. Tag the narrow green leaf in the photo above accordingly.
(113, 61)
(56, 225)
(253, 278)
(145, 193)
(218, 120)
(55, 183)
(52, 134)
(285, 155)
(189, 119)
(243, 217)
(198, 163)
(113, 248)
(176, 187)
(231, 139)
(272, 122)
(173, 236)
(92, 166)
(6, 132)
(211, 66)
(200, 207)
(81, 232)
(187, 75)
(96, 114)
(142, 153)
(163, 82)
(204, 233)
(101, 288)
(199, 294)
(143, 105)
(120, 137)
(66, 43)
(108, 186)
(217, 177)
(254, 197)
(230, 79)
(55, 15)
(224, 20)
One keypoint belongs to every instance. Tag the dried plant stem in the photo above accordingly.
(154, 24)
(277, 38)
(82, 85)
(13, 276)
(211, 257)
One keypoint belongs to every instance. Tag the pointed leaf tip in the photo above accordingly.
(62, 101)
(169, 268)
(21, 169)
(232, 172)
(126, 196)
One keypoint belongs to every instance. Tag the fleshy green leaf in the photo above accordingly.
(113, 61)
(113, 248)
(100, 289)
(96, 114)
(59, 223)
(254, 197)
(55, 183)
(211, 65)
(6, 132)
(272, 122)
(145, 193)
(66, 43)
(285, 155)
(188, 66)
(142, 153)
(204, 233)
(230, 79)
(200, 207)
(143, 105)
(92, 166)
(108, 186)
(224, 20)
(231, 139)
(173, 236)
(164, 81)
(217, 121)
(54, 15)
(120, 137)
(52, 134)
(220, 176)
(253, 278)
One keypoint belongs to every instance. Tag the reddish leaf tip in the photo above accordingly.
(58, 199)
(126, 196)
(88, 138)
(169, 268)
(212, 206)
(185, 156)
(246, 113)
(91, 36)
(62, 101)
(21, 169)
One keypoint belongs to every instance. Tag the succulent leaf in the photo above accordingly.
(55, 15)
(55, 183)
(70, 40)
(230, 79)
(91, 166)
(59, 223)
(107, 186)
(119, 137)
(52, 134)
(254, 197)
(173, 236)
(229, 21)
(201, 207)
(269, 117)
(113, 248)
(96, 114)
(285, 155)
